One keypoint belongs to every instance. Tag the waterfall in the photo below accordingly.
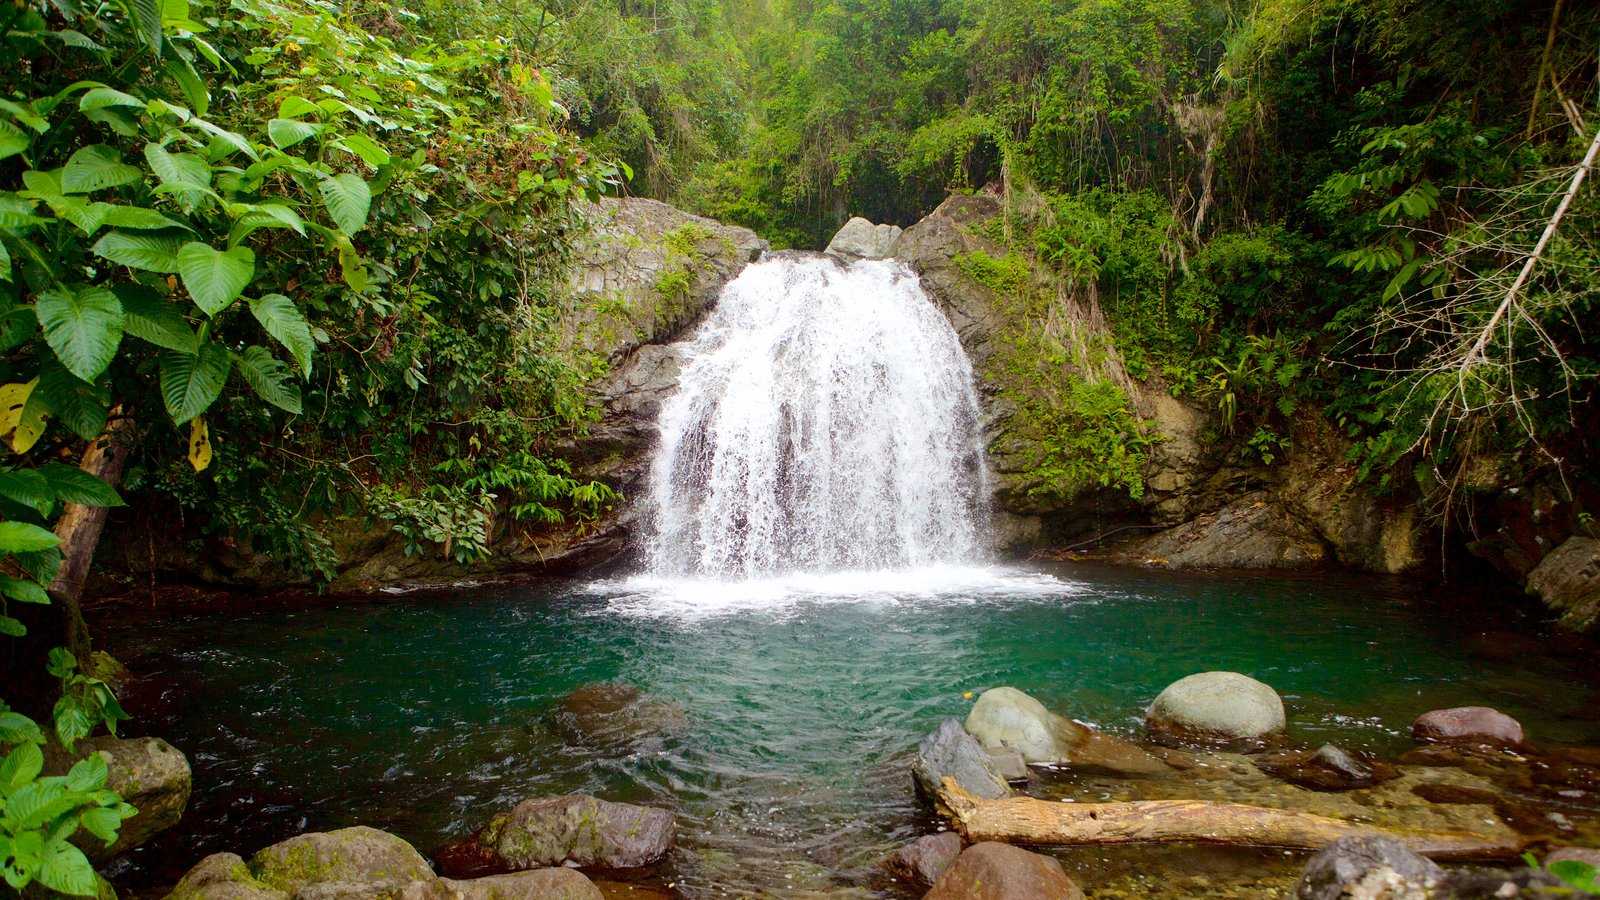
(825, 420)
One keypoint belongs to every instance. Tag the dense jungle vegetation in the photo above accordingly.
(267, 261)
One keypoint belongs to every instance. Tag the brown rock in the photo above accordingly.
(994, 871)
(608, 713)
(1468, 725)
(223, 876)
(357, 855)
(1328, 768)
(1568, 580)
(537, 884)
(922, 861)
(575, 829)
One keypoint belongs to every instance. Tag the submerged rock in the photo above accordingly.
(995, 871)
(1216, 707)
(1328, 768)
(922, 861)
(148, 772)
(950, 752)
(860, 239)
(608, 713)
(1368, 868)
(1468, 725)
(1005, 718)
(575, 829)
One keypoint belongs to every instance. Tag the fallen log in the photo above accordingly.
(1027, 820)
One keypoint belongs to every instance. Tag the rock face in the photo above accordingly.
(922, 861)
(1468, 725)
(1006, 718)
(950, 752)
(576, 830)
(1252, 532)
(993, 871)
(148, 772)
(860, 239)
(1216, 707)
(1568, 580)
(1368, 868)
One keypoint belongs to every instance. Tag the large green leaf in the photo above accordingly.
(364, 147)
(20, 537)
(28, 487)
(190, 383)
(73, 485)
(215, 278)
(146, 18)
(136, 217)
(348, 200)
(269, 378)
(82, 325)
(150, 252)
(149, 316)
(105, 97)
(23, 591)
(283, 320)
(177, 168)
(190, 82)
(13, 140)
(5, 263)
(66, 870)
(285, 133)
(94, 168)
(80, 405)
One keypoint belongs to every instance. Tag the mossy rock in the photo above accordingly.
(357, 854)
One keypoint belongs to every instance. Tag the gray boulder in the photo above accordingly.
(1468, 725)
(950, 752)
(1368, 868)
(860, 239)
(1009, 764)
(1568, 580)
(994, 871)
(575, 829)
(1216, 707)
(359, 855)
(148, 772)
(1005, 718)
(922, 861)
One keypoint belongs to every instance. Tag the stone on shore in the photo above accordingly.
(1009, 764)
(358, 854)
(950, 752)
(575, 830)
(1328, 768)
(995, 871)
(1468, 725)
(148, 772)
(1216, 708)
(1005, 718)
(1368, 868)
(922, 861)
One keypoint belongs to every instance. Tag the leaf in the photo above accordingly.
(364, 147)
(293, 107)
(16, 212)
(30, 421)
(266, 215)
(13, 397)
(190, 82)
(105, 97)
(22, 590)
(102, 823)
(136, 217)
(149, 252)
(348, 200)
(65, 869)
(284, 321)
(351, 265)
(11, 627)
(215, 278)
(16, 728)
(20, 537)
(77, 404)
(190, 383)
(177, 168)
(146, 18)
(229, 140)
(87, 774)
(96, 167)
(28, 487)
(13, 140)
(199, 444)
(83, 326)
(5, 263)
(73, 485)
(148, 316)
(285, 133)
(269, 378)
(21, 766)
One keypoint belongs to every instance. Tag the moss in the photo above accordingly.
(685, 240)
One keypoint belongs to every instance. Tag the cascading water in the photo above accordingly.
(825, 420)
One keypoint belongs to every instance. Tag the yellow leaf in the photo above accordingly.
(199, 444)
(24, 430)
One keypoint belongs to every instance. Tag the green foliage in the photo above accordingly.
(1575, 876)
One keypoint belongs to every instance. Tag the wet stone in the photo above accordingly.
(1328, 768)
(922, 861)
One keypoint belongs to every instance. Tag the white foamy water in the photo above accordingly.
(825, 422)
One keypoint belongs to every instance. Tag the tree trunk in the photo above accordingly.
(80, 526)
(1028, 820)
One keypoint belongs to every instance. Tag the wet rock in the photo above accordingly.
(950, 752)
(148, 772)
(429, 889)
(922, 861)
(1368, 868)
(860, 239)
(223, 876)
(608, 714)
(1216, 707)
(1328, 768)
(1493, 884)
(1009, 764)
(575, 829)
(358, 854)
(1252, 532)
(1468, 725)
(537, 884)
(1568, 580)
(994, 871)
(1006, 718)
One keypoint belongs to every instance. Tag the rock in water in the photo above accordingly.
(1328, 768)
(1006, 718)
(1468, 725)
(148, 772)
(223, 876)
(538, 884)
(1009, 764)
(994, 871)
(358, 854)
(1568, 580)
(1368, 868)
(922, 861)
(575, 829)
(860, 239)
(609, 714)
(1216, 707)
(951, 752)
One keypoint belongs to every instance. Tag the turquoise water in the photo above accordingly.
(802, 701)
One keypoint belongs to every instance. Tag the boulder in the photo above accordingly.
(430, 889)
(537, 884)
(223, 876)
(1368, 868)
(575, 829)
(1568, 580)
(1468, 725)
(1216, 707)
(950, 752)
(922, 861)
(358, 854)
(860, 239)
(611, 714)
(148, 772)
(995, 871)
(1005, 718)
(1009, 764)
(1328, 768)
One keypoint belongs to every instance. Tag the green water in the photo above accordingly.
(803, 702)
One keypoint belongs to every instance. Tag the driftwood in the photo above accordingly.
(1027, 820)
(80, 526)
